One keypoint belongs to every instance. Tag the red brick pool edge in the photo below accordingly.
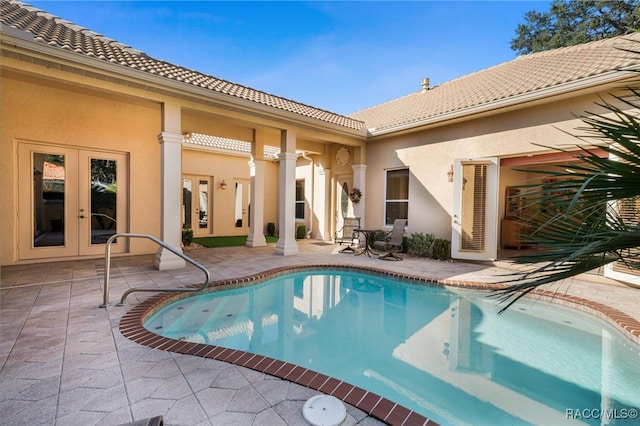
(131, 326)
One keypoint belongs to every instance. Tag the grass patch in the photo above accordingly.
(239, 240)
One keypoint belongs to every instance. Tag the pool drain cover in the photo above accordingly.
(324, 410)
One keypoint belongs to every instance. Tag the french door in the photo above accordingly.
(343, 204)
(475, 209)
(241, 206)
(70, 201)
(197, 204)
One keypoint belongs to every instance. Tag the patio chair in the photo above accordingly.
(348, 234)
(392, 244)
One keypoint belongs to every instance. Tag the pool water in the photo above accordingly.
(445, 354)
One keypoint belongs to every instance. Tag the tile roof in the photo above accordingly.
(227, 144)
(51, 30)
(527, 74)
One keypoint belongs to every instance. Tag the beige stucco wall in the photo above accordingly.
(430, 153)
(39, 112)
(231, 169)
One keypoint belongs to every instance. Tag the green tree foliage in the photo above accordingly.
(594, 217)
(568, 23)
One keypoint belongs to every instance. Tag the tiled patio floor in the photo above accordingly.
(64, 361)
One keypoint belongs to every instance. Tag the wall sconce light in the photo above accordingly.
(450, 174)
(223, 185)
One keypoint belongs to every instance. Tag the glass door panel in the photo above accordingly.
(196, 204)
(241, 207)
(238, 206)
(343, 204)
(48, 199)
(104, 192)
(475, 209)
(102, 200)
(203, 204)
(187, 205)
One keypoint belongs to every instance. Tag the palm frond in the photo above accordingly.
(578, 222)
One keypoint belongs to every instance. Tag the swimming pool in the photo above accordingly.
(444, 354)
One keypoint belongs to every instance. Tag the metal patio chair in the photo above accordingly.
(348, 234)
(392, 244)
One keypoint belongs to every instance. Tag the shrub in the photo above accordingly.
(419, 244)
(379, 236)
(301, 232)
(271, 229)
(441, 248)
(187, 236)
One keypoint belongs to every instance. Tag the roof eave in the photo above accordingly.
(24, 41)
(498, 106)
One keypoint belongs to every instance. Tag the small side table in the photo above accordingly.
(368, 234)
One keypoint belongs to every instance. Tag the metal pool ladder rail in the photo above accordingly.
(107, 269)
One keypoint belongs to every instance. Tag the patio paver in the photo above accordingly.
(64, 361)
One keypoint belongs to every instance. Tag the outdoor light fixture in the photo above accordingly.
(223, 185)
(450, 174)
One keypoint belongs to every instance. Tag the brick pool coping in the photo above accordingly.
(131, 326)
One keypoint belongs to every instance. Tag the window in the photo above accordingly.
(300, 199)
(396, 196)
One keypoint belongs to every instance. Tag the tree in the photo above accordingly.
(589, 211)
(568, 23)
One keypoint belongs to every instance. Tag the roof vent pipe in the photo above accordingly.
(425, 84)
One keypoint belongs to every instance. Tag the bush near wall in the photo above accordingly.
(419, 244)
(441, 249)
(427, 245)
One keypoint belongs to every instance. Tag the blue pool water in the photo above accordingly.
(445, 354)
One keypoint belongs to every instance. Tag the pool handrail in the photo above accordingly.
(107, 268)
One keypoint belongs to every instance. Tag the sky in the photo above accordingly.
(341, 56)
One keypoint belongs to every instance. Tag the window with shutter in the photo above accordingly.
(474, 206)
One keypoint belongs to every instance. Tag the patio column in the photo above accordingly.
(170, 205)
(321, 200)
(359, 181)
(256, 204)
(287, 244)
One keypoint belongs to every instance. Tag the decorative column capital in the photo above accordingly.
(284, 156)
(166, 137)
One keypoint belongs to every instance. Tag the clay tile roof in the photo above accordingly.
(527, 74)
(51, 30)
(227, 144)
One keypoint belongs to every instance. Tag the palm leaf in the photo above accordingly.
(578, 222)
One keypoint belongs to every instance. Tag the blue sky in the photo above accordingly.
(342, 56)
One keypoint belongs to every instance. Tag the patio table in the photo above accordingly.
(368, 236)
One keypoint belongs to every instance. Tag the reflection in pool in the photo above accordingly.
(445, 354)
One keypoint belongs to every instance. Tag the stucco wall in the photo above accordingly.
(230, 168)
(429, 154)
(34, 111)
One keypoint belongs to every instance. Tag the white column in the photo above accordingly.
(170, 205)
(256, 208)
(287, 244)
(321, 201)
(359, 181)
